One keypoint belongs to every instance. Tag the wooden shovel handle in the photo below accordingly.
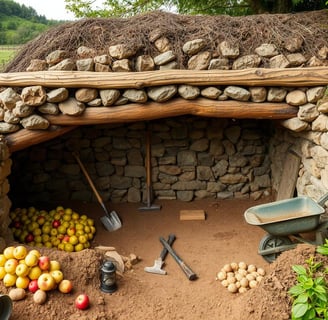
(76, 156)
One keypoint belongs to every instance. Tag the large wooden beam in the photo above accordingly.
(119, 80)
(25, 138)
(61, 124)
(177, 107)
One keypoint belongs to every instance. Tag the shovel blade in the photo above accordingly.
(111, 221)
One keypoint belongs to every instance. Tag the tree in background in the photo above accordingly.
(122, 8)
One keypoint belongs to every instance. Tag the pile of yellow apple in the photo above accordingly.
(60, 228)
(30, 270)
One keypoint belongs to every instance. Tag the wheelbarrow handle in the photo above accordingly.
(323, 200)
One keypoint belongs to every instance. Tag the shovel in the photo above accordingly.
(111, 221)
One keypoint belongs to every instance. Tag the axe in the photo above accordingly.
(157, 267)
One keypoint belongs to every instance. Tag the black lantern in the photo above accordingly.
(108, 277)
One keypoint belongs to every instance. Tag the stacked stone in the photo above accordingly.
(5, 203)
(308, 137)
(192, 158)
(27, 109)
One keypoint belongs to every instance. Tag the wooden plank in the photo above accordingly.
(289, 176)
(313, 76)
(192, 215)
(25, 138)
(177, 107)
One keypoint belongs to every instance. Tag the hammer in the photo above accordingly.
(157, 267)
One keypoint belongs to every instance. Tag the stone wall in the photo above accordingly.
(192, 158)
(5, 203)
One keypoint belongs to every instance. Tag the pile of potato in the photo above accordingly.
(240, 277)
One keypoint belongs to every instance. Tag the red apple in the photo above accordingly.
(82, 301)
(44, 263)
(29, 238)
(17, 224)
(56, 223)
(66, 238)
(33, 285)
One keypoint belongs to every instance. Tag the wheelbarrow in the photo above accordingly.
(287, 223)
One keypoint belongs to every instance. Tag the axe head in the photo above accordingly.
(156, 268)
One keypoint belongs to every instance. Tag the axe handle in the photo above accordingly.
(164, 252)
(187, 271)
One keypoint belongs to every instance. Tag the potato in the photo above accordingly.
(261, 271)
(227, 268)
(225, 282)
(251, 268)
(221, 275)
(242, 289)
(232, 288)
(252, 284)
(250, 277)
(234, 266)
(17, 294)
(244, 282)
(231, 279)
(40, 297)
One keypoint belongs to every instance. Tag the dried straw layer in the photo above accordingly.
(249, 32)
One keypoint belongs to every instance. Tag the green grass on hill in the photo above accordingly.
(6, 54)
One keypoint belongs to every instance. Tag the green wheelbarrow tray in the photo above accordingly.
(285, 220)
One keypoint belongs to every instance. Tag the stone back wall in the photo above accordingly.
(192, 158)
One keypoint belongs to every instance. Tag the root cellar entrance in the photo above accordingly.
(191, 157)
(198, 162)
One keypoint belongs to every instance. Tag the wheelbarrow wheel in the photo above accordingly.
(270, 241)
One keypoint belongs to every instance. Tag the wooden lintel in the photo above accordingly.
(290, 77)
(25, 138)
(177, 107)
(133, 112)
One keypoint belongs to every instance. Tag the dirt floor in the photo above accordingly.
(206, 246)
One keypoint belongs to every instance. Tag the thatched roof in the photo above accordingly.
(249, 32)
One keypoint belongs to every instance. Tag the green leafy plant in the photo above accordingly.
(310, 293)
(323, 249)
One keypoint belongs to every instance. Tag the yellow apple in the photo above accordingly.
(73, 240)
(22, 282)
(2, 272)
(90, 222)
(61, 246)
(31, 259)
(83, 239)
(10, 265)
(68, 211)
(68, 247)
(9, 280)
(35, 252)
(20, 252)
(9, 252)
(79, 247)
(22, 270)
(57, 275)
(46, 228)
(34, 273)
(54, 265)
(3, 259)
(46, 282)
(61, 229)
(65, 286)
